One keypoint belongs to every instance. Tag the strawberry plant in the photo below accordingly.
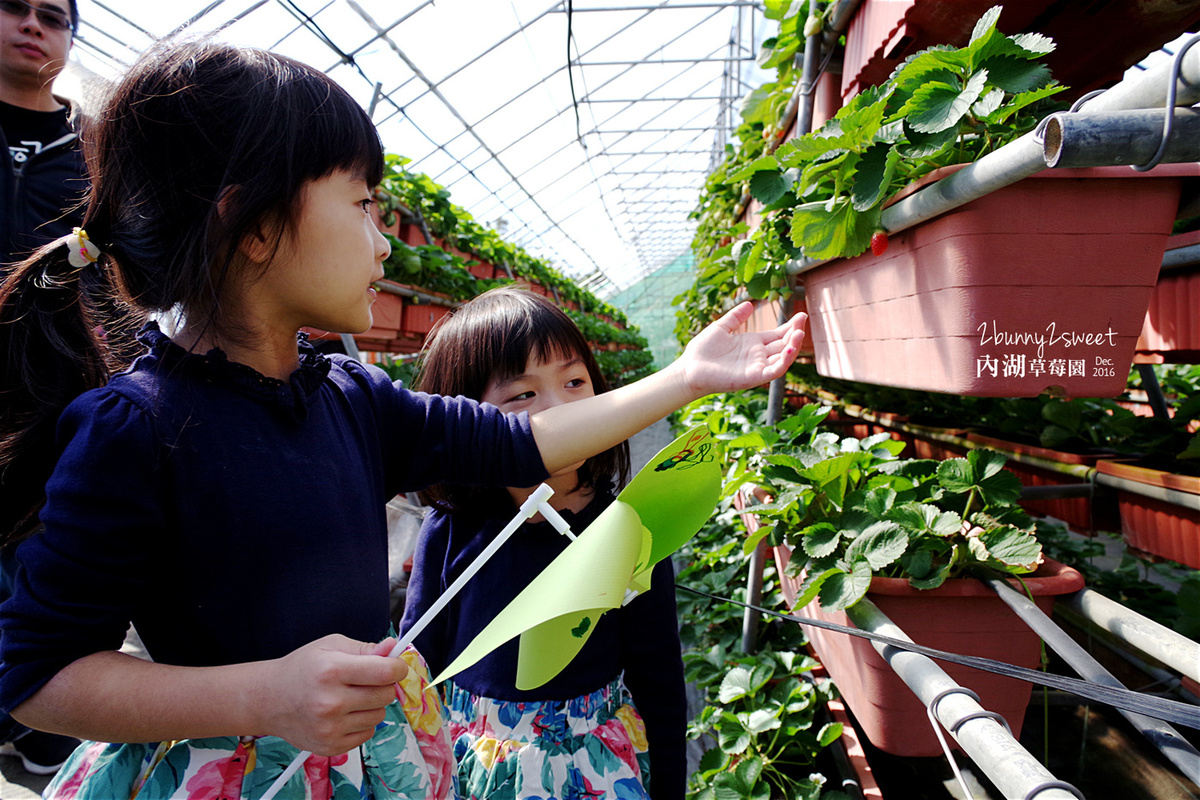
(766, 722)
(824, 192)
(852, 509)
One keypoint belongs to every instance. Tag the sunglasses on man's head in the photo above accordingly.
(50, 18)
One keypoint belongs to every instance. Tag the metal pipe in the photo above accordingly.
(1149, 89)
(1157, 641)
(1173, 496)
(1163, 736)
(1060, 492)
(1008, 765)
(801, 104)
(1104, 139)
(1154, 392)
(421, 297)
(1182, 257)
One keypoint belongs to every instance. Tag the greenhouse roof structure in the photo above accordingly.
(581, 131)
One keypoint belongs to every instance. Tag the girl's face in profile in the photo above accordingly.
(328, 260)
(543, 384)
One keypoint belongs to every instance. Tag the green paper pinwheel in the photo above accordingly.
(608, 565)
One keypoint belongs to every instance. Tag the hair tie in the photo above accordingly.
(80, 249)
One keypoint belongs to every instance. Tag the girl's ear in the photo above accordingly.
(260, 242)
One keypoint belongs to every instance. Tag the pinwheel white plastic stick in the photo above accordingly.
(537, 501)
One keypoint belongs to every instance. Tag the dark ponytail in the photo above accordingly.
(198, 144)
(63, 330)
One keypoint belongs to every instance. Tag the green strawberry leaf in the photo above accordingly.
(936, 106)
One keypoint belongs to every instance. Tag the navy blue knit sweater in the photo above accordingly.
(640, 640)
(232, 517)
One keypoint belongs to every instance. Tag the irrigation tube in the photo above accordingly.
(1024, 157)
(985, 740)
(1177, 749)
(1157, 641)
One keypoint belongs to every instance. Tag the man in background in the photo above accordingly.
(42, 175)
(42, 181)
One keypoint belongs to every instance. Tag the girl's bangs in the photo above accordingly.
(339, 135)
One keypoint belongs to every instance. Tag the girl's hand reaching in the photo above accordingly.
(328, 696)
(719, 359)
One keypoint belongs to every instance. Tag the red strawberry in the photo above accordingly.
(879, 242)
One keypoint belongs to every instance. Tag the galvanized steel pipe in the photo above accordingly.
(1008, 765)
(1163, 736)
(1104, 139)
(1157, 641)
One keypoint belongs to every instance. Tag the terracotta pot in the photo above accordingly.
(1156, 527)
(961, 616)
(1042, 284)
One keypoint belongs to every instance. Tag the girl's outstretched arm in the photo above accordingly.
(716, 360)
(326, 697)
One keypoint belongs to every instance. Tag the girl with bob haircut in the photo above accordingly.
(617, 715)
(225, 493)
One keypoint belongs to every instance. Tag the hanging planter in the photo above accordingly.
(1158, 527)
(419, 318)
(1172, 330)
(1042, 285)
(960, 616)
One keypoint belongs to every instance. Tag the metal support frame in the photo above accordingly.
(986, 742)
(1163, 736)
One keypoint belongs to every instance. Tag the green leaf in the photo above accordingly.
(923, 145)
(760, 164)
(844, 589)
(758, 105)
(988, 103)
(937, 106)
(803, 150)
(713, 760)
(812, 584)
(1014, 74)
(820, 540)
(1011, 546)
(982, 470)
(880, 545)
(735, 685)
(931, 580)
(731, 736)
(985, 39)
(826, 232)
(1035, 44)
(761, 720)
(873, 175)
(829, 733)
(1020, 101)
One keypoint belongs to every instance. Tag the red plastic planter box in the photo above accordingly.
(961, 616)
(1154, 526)
(1042, 284)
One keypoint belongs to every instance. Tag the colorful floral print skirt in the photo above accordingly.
(408, 757)
(589, 747)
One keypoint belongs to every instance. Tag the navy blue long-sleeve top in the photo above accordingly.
(639, 640)
(233, 517)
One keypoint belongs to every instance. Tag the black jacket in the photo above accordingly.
(39, 197)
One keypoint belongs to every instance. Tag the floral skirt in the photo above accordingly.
(408, 757)
(589, 747)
